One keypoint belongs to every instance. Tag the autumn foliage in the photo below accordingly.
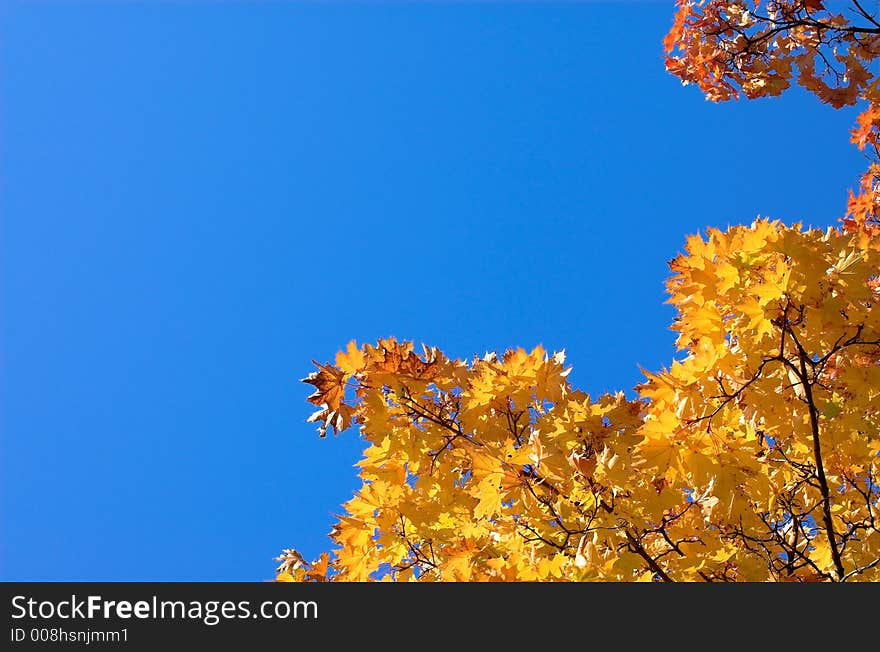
(754, 457)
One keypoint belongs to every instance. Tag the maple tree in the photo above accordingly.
(754, 457)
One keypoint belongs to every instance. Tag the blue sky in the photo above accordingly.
(196, 199)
